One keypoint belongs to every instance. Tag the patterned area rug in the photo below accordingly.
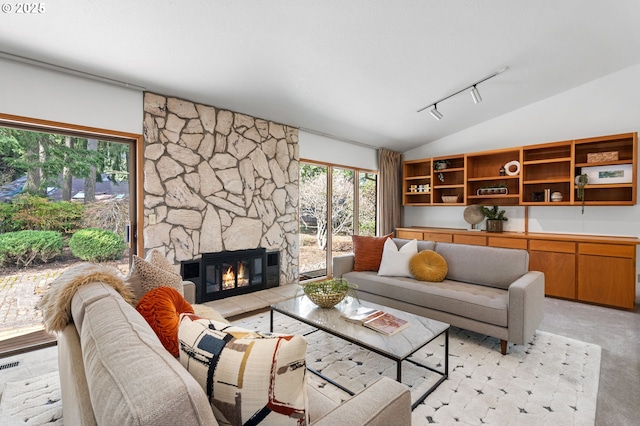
(34, 401)
(552, 380)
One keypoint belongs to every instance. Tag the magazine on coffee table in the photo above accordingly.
(380, 321)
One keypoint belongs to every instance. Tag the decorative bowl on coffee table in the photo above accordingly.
(328, 293)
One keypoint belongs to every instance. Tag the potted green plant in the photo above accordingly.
(495, 218)
(330, 292)
(440, 165)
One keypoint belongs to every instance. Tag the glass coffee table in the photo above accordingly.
(398, 347)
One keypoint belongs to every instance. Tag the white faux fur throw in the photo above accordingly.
(56, 302)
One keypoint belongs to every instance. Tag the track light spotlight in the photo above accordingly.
(475, 95)
(435, 113)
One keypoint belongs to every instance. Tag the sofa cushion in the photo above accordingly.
(161, 308)
(428, 266)
(480, 303)
(128, 370)
(487, 266)
(368, 252)
(145, 276)
(395, 261)
(248, 376)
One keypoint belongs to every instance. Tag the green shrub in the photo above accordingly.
(97, 245)
(24, 247)
(30, 212)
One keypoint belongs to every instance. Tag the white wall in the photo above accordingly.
(605, 106)
(328, 150)
(40, 93)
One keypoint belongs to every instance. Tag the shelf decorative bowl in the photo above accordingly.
(449, 198)
(328, 293)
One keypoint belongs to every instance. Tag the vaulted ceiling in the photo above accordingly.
(357, 70)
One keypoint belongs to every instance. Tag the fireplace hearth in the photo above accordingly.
(230, 273)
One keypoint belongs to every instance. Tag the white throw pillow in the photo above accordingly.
(395, 263)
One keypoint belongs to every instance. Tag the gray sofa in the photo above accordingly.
(488, 290)
(115, 371)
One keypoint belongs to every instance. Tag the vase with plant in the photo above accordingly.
(440, 165)
(581, 181)
(330, 292)
(495, 218)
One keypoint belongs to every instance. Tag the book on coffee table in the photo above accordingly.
(376, 319)
(386, 323)
(362, 314)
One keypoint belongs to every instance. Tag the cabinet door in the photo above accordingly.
(503, 242)
(606, 280)
(438, 237)
(476, 240)
(409, 235)
(559, 272)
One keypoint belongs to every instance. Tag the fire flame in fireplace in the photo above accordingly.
(229, 277)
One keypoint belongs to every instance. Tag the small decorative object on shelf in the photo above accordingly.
(449, 198)
(581, 181)
(503, 171)
(556, 197)
(600, 157)
(493, 190)
(512, 168)
(440, 165)
(329, 293)
(495, 218)
(473, 215)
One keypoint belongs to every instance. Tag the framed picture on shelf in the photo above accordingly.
(599, 175)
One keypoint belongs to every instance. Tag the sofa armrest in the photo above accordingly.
(385, 402)
(526, 306)
(342, 264)
(189, 290)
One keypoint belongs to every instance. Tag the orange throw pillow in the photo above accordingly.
(368, 252)
(161, 308)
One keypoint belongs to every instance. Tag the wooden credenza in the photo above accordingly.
(586, 268)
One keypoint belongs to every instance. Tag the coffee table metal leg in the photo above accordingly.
(443, 374)
(271, 321)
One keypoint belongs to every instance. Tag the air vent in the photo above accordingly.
(9, 365)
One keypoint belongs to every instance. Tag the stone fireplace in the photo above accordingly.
(219, 181)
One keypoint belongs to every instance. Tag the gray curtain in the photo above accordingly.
(389, 191)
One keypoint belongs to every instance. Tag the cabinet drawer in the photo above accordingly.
(433, 236)
(409, 235)
(554, 246)
(508, 242)
(475, 240)
(612, 250)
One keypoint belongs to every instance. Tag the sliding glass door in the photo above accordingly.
(336, 202)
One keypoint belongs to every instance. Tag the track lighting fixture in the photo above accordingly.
(435, 113)
(475, 95)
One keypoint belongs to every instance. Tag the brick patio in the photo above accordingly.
(20, 292)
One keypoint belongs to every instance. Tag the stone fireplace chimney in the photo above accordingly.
(217, 180)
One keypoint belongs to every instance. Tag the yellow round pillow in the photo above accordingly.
(428, 265)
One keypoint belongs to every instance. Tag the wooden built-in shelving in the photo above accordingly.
(550, 166)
